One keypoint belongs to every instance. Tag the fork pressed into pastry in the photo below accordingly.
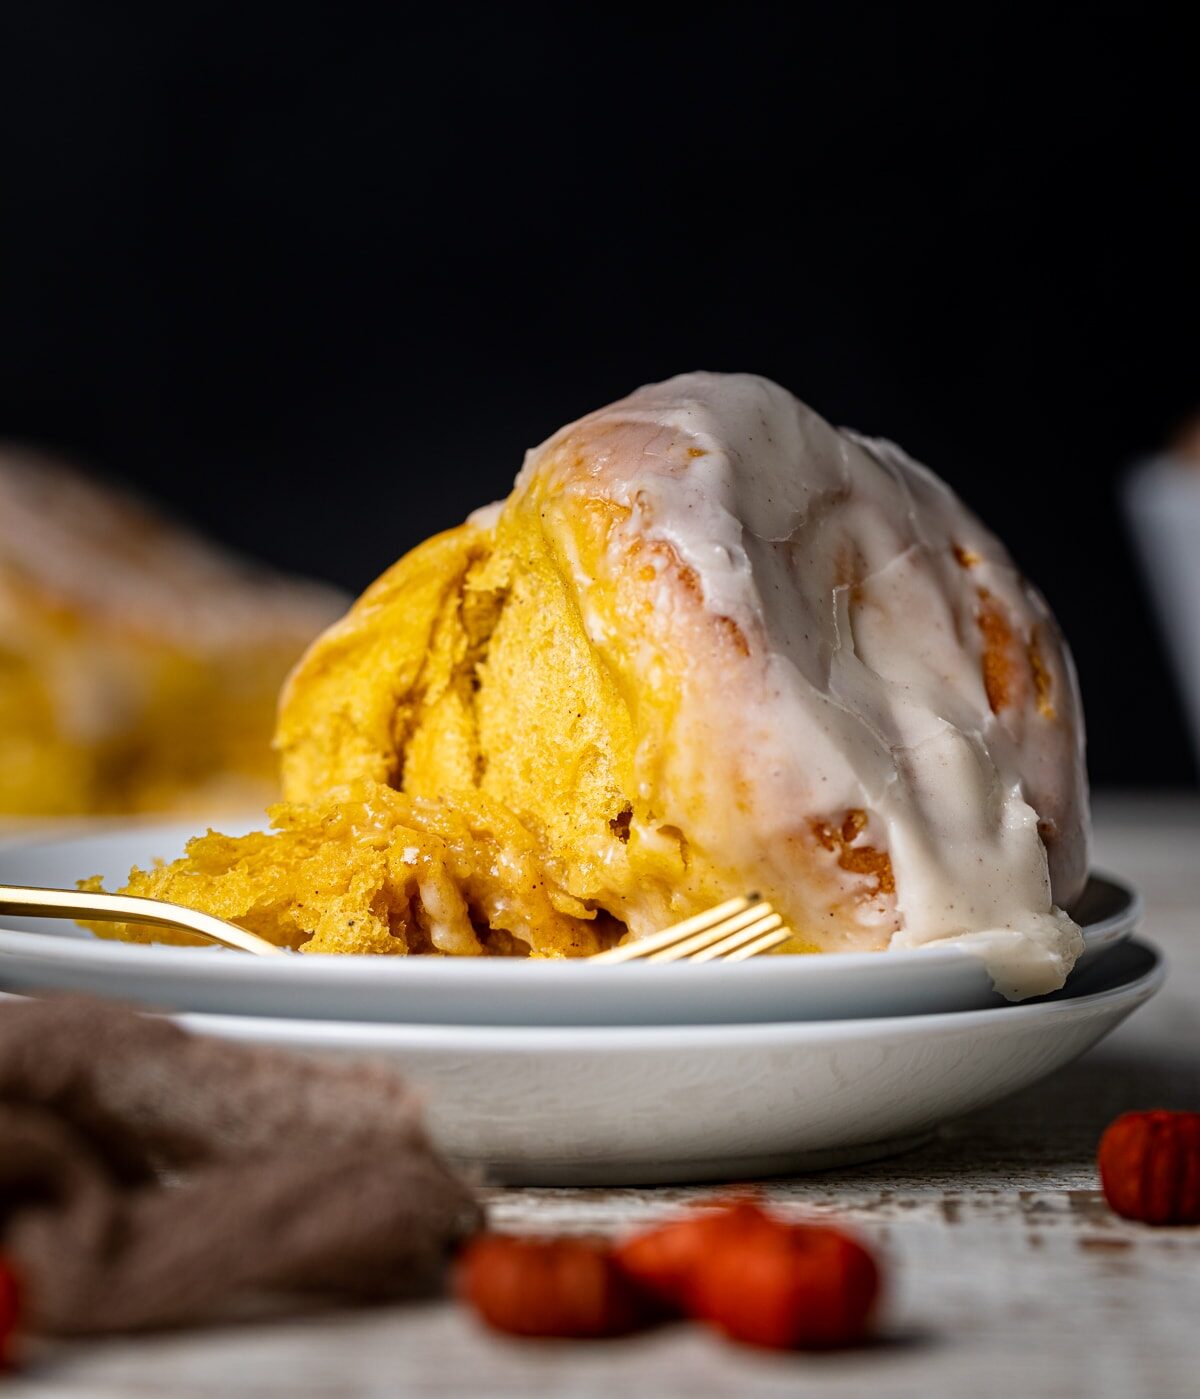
(730, 932)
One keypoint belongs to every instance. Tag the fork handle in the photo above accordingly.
(28, 902)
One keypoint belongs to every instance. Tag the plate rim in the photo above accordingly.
(521, 1039)
(343, 967)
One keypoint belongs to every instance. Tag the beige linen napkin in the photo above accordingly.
(149, 1177)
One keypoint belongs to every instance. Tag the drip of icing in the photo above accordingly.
(858, 580)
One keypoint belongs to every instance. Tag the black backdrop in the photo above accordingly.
(317, 275)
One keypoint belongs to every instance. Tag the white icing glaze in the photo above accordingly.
(486, 516)
(857, 579)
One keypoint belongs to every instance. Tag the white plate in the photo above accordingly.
(57, 955)
(651, 1104)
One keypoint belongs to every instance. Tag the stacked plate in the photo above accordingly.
(565, 1073)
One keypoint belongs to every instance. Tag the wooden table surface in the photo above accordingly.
(1008, 1275)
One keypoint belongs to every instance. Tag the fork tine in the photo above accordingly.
(644, 947)
(688, 946)
(732, 941)
(762, 944)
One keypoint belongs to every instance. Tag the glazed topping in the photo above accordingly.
(865, 662)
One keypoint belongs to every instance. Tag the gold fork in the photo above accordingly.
(731, 932)
(129, 908)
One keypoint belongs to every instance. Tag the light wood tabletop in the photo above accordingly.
(1007, 1273)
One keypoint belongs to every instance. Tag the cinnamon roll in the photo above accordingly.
(709, 644)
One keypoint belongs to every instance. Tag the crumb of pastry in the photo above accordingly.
(369, 869)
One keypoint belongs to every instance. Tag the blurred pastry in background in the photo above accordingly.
(139, 665)
(1162, 501)
(1185, 447)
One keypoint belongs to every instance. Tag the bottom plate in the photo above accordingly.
(654, 1104)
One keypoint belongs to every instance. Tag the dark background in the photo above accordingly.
(318, 275)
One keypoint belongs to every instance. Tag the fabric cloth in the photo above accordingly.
(149, 1177)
